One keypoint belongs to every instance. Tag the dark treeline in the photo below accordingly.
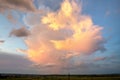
(59, 77)
(36, 75)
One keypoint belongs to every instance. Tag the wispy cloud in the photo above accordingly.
(11, 18)
(100, 58)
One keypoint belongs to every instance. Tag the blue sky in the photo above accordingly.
(15, 33)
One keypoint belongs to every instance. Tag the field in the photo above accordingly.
(58, 77)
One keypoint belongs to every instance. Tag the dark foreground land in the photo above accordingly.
(58, 77)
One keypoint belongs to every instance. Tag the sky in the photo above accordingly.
(60, 36)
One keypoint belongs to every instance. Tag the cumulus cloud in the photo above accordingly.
(87, 37)
(62, 35)
(22, 5)
(21, 32)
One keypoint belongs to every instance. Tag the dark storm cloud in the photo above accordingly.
(22, 5)
(92, 67)
(14, 63)
(21, 32)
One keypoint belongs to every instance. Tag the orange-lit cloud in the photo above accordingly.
(62, 35)
(63, 17)
(86, 38)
